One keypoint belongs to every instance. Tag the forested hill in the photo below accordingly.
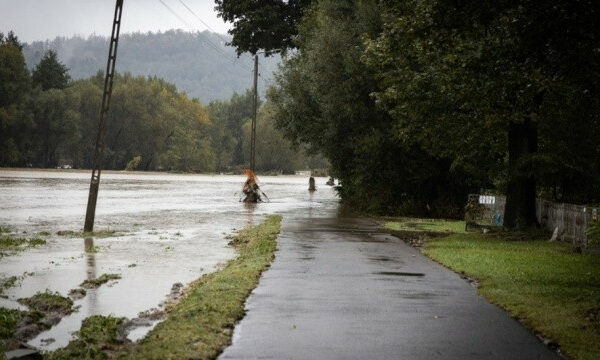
(198, 63)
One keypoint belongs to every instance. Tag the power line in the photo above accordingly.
(204, 23)
(211, 44)
(176, 15)
(197, 17)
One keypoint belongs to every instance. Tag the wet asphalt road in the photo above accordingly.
(338, 289)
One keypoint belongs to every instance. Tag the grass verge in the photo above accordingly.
(550, 289)
(200, 326)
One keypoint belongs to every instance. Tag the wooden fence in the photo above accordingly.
(570, 221)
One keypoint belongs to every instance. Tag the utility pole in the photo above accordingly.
(253, 135)
(100, 137)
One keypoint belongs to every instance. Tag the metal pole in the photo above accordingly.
(99, 150)
(253, 135)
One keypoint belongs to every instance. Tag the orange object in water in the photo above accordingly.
(250, 188)
(250, 174)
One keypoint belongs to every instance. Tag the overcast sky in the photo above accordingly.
(45, 19)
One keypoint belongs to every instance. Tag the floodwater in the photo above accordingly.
(169, 229)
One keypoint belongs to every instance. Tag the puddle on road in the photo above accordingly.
(171, 228)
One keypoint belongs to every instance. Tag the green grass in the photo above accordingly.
(97, 282)
(550, 289)
(425, 225)
(98, 337)
(200, 326)
(10, 245)
(8, 325)
(7, 283)
(46, 302)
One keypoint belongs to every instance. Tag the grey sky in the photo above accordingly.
(45, 19)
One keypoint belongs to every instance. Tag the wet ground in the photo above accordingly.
(169, 229)
(340, 289)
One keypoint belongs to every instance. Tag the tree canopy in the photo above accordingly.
(262, 25)
(49, 73)
(418, 103)
(15, 115)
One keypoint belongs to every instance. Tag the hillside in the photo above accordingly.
(198, 63)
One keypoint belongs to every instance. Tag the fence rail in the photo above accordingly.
(570, 221)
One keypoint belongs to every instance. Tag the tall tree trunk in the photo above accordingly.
(519, 213)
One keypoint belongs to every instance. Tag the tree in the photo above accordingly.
(229, 118)
(468, 72)
(223, 143)
(57, 127)
(150, 119)
(323, 98)
(262, 25)
(273, 152)
(49, 73)
(15, 117)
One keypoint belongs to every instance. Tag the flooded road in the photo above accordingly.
(168, 229)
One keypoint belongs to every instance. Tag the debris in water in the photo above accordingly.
(251, 189)
(48, 341)
(311, 184)
(77, 294)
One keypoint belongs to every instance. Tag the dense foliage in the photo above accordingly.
(231, 139)
(15, 85)
(417, 103)
(262, 25)
(200, 64)
(509, 76)
(47, 120)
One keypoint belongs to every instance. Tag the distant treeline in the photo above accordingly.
(48, 120)
(199, 64)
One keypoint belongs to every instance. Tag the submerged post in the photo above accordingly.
(99, 150)
(253, 135)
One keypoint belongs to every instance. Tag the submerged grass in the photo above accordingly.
(48, 302)
(9, 318)
(7, 283)
(99, 281)
(45, 310)
(10, 245)
(200, 326)
(550, 289)
(95, 234)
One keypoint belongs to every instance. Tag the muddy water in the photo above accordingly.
(169, 229)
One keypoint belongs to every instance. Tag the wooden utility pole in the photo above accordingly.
(100, 137)
(253, 135)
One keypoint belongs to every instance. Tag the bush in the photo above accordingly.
(593, 232)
